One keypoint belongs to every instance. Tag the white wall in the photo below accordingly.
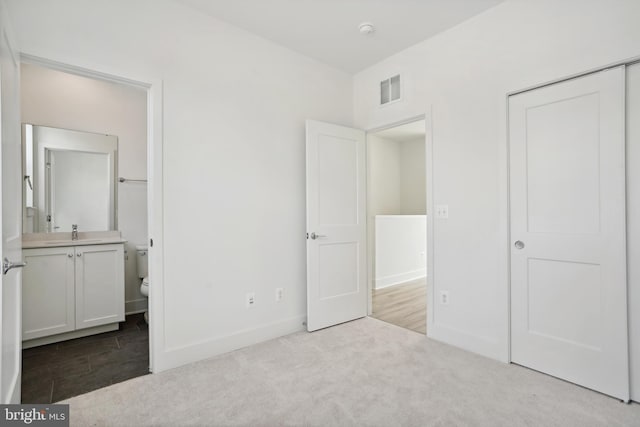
(62, 100)
(633, 222)
(401, 245)
(384, 177)
(460, 78)
(413, 192)
(234, 107)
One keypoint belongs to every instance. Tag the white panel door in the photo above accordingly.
(568, 255)
(10, 327)
(99, 285)
(336, 229)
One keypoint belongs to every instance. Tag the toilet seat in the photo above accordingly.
(144, 287)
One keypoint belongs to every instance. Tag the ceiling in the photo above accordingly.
(405, 132)
(327, 30)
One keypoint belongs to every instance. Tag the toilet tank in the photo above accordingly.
(142, 259)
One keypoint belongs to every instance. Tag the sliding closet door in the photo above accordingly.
(633, 222)
(568, 249)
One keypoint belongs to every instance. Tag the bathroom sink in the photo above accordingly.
(56, 242)
(71, 242)
(63, 239)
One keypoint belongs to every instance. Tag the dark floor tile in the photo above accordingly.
(126, 370)
(93, 346)
(75, 385)
(59, 371)
(72, 366)
(37, 351)
(36, 391)
(36, 362)
(86, 341)
(32, 372)
(124, 340)
(143, 325)
(133, 352)
(131, 322)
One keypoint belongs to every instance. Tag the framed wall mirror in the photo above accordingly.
(69, 178)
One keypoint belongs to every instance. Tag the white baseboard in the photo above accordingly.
(136, 306)
(396, 279)
(172, 358)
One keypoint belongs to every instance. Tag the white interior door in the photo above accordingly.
(568, 255)
(336, 228)
(10, 353)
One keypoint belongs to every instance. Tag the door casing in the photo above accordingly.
(429, 209)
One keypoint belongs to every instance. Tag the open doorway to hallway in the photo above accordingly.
(397, 225)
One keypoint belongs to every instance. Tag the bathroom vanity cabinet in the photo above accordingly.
(71, 291)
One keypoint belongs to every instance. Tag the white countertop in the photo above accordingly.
(56, 240)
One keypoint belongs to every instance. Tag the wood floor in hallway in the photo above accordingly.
(403, 305)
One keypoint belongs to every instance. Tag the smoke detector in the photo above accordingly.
(366, 28)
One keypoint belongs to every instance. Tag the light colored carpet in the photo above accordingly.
(365, 372)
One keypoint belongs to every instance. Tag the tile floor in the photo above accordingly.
(55, 372)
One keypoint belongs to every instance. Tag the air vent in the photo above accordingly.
(390, 90)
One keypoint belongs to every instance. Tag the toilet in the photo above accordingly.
(142, 259)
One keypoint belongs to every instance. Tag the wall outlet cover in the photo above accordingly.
(250, 300)
(442, 211)
(444, 297)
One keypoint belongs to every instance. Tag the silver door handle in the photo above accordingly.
(519, 244)
(8, 265)
(315, 236)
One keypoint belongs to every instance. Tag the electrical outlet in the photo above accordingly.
(279, 294)
(250, 299)
(444, 297)
(442, 211)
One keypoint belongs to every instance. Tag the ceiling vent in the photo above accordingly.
(390, 90)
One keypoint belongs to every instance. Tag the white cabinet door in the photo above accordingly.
(568, 253)
(48, 292)
(99, 285)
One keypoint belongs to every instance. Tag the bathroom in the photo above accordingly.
(85, 320)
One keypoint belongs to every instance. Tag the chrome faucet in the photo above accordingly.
(74, 232)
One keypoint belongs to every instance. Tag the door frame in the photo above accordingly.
(505, 198)
(427, 117)
(154, 89)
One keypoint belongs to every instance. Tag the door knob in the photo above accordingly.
(315, 236)
(519, 244)
(8, 265)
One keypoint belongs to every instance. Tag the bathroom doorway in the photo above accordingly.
(397, 224)
(73, 345)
